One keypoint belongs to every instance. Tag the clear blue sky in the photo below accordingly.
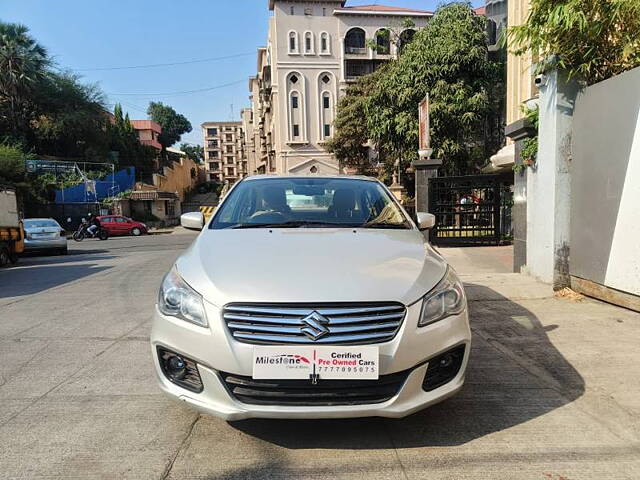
(89, 34)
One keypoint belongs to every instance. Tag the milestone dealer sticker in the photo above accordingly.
(308, 362)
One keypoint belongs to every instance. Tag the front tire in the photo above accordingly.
(5, 257)
(136, 232)
(103, 235)
(78, 236)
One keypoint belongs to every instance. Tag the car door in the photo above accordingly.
(108, 224)
(123, 225)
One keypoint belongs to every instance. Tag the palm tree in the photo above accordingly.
(23, 64)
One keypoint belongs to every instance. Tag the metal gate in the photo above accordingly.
(471, 210)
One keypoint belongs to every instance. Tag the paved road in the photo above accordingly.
(552, 391)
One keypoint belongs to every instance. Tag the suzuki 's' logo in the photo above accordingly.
(315, 326)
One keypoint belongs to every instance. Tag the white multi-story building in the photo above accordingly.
(224, 151)
(314, 50)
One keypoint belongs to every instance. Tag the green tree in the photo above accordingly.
(130, 152)
(590, 39)
(194, 152)
(173, 124)
(23, 64)
(447, 59)
(351, 133)
(70, 118)
(11, 164)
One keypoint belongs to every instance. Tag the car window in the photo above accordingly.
(121, 220)
(41, 224)
(106, 220)
(307, 202)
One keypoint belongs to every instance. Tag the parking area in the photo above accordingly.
(552, 389)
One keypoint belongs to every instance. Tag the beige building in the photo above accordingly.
(314, 50)
(224, 151)
(520, 79)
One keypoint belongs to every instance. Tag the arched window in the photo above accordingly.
(326, 88)
(405, 39)
(355, 41)
(325, 44)
(296, 108)
(293, 42)
(308, 43)
(383, 41)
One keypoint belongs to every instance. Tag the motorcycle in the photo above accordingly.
(83, 232)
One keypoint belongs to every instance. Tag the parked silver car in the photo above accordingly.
(310, 297)
(44, 234)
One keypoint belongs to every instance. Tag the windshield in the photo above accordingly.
(309, 202)
(41, 224)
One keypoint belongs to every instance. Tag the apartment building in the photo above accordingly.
(314, 50)
(224, 151)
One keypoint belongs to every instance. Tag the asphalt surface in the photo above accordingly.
(552, 391)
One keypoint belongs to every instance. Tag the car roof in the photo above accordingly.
(40, 219)
(292, 176)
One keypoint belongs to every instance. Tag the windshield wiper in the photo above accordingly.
(294, 224)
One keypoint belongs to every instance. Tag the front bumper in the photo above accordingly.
(45, 243)
(215, 351)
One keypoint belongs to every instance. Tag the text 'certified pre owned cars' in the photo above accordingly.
(310, 297)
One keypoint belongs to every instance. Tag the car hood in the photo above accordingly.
(311, 265)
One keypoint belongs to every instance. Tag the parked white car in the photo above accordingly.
(335, 306)
(44, 234)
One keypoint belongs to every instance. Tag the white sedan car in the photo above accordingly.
(310, 297)
(44, 234)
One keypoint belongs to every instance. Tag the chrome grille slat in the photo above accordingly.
(285, 324)
(274, 339)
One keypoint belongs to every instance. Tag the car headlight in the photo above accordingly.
(177, 299)
(446, 299)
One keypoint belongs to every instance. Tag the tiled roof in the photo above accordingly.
(480, 10)
(383, 9)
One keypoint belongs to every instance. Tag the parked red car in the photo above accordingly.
(117, 225)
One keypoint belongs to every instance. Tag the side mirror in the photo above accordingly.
(192, 220)
(425, 220)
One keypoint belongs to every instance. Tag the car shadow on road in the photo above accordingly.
(36, 278)
(515, 375)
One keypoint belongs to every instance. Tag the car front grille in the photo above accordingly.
(303, 393)
(314, 323)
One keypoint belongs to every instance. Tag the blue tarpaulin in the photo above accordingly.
(108, 186)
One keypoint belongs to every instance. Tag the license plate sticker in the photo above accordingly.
(321, 362)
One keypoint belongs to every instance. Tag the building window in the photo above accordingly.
(327, 131)
(292, 10)
(229, 137)
(212, 132)
(294, 101)
(308, 42)
(383, 41)
(308, 11)
(405, 39)
(355, 41)
(293, 42)
(325, 101)
(213, 154)
(296, 131)
(230, 160)
(324, 43)
(229, 148)
(324, 12)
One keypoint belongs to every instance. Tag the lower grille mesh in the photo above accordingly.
(303, 393)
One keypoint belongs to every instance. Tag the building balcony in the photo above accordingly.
(349, 50)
